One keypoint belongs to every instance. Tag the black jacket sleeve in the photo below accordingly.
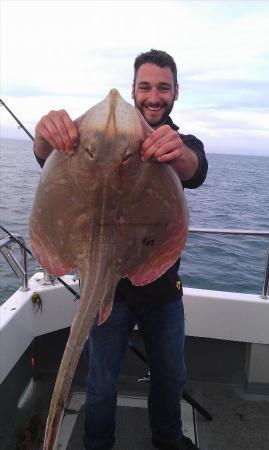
(197, 146)
(40, 161)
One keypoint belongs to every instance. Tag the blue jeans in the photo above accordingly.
(163, 333)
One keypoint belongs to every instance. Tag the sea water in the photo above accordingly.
(234, 195)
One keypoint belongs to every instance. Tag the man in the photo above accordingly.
(157, 307)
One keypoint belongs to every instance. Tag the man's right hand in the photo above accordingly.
(57, 131)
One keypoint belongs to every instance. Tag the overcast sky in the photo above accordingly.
(69, 54)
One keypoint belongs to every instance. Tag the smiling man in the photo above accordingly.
(157, 307)
(155, 89)
(154, 92)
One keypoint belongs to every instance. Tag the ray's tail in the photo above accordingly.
(93, 296)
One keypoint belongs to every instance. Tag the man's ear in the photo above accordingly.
(132, 91)
(176, 92)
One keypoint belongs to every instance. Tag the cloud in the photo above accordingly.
(225, 94)
(67, 54)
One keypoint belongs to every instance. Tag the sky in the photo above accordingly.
(69, 54)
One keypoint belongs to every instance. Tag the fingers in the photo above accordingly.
(163, 145)
(58, 130)
(168, 157)
(160, 134)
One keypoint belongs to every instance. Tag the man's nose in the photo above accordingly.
(154, 96)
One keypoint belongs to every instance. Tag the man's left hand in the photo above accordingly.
(163, 145)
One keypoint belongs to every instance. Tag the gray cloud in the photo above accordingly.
(226, 94)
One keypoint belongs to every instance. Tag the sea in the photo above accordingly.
(234, 195)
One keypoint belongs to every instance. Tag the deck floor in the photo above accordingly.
(132, 432)
(240, 421)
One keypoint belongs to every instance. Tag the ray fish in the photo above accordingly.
(108, 215)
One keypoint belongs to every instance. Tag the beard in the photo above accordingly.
(158, 121)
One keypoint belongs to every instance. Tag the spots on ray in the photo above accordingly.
(62, 181)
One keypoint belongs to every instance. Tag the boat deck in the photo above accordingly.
(217, 376)
(240, 420)
(132, 430)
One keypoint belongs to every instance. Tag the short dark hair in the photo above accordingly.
(158, 57)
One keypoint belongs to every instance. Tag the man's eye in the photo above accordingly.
(164, 89)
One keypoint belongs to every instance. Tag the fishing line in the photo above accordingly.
(11, 235)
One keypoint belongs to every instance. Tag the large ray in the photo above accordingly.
(109, 215)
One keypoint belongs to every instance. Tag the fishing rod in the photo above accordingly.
(11, 235)
(17, 120)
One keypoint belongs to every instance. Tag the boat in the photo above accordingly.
(226, 401)
(225, 405)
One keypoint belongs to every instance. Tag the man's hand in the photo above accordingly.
(165, 145)
(57, 131)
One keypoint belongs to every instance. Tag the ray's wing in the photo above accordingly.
(60, 220)
(154, 224)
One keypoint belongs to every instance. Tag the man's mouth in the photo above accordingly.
(154, 108)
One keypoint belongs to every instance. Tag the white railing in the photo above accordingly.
(20, 268)
(231, 231)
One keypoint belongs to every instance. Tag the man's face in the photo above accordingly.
(154, 93)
